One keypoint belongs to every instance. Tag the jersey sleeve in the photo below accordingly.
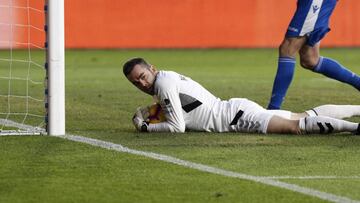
(159, 127)
(167, 92)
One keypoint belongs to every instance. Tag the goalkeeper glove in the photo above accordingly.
(138, 119)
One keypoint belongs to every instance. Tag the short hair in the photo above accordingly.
(131, 63)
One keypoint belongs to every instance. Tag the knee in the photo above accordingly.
(309, 62)
(291, 46)
(287, 50)
(292, 127)
(295, 129)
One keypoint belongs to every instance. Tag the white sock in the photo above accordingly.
(335, 111)
(324, 125)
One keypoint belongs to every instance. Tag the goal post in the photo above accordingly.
(55, 66)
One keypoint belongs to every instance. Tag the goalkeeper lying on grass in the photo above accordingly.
(188, 105)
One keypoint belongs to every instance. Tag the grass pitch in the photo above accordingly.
(100, 103)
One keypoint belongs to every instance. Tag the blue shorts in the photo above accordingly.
(311, 19)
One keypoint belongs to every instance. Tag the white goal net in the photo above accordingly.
(22, 67)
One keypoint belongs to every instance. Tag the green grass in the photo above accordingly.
(44, 169)
(100, 103)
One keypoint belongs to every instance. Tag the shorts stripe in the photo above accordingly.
(237, 117)
(311, 17)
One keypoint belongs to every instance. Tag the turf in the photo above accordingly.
(100, 103)
(43, 169)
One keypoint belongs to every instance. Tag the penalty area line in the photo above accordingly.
(209, 169)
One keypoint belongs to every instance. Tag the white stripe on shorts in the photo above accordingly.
(311, 17)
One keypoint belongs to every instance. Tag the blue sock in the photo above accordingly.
(284, 76)
(334, 70)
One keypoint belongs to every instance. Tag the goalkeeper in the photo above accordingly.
(188, 105)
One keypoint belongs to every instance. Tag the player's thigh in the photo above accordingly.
(254, 118)
(291, 46)
(281, 125)
(309, 56)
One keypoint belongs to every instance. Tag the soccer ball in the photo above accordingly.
(156, 114)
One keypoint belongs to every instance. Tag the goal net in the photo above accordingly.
(24, 67)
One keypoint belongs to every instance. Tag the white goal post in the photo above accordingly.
(55, 67)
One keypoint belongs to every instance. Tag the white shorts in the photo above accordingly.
(254, 118)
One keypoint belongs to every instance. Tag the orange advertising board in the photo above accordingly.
(192, 23)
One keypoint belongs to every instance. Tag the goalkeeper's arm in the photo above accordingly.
(139, 121)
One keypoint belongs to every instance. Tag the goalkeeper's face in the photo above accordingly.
(143, 78)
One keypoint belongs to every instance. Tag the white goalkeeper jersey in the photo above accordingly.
(188, 105)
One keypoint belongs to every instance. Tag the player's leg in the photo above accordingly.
(285, 70)
(254, 118)
(281, 125)
(328, 110)
(335, 111)
(309, 56)
(310, 59)
(311, 125)
(294, 40)
(326, 125)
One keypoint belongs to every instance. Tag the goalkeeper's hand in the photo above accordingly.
(138, 119)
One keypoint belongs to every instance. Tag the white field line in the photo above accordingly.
(310, 177)
(209, 169)
(201, 167)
